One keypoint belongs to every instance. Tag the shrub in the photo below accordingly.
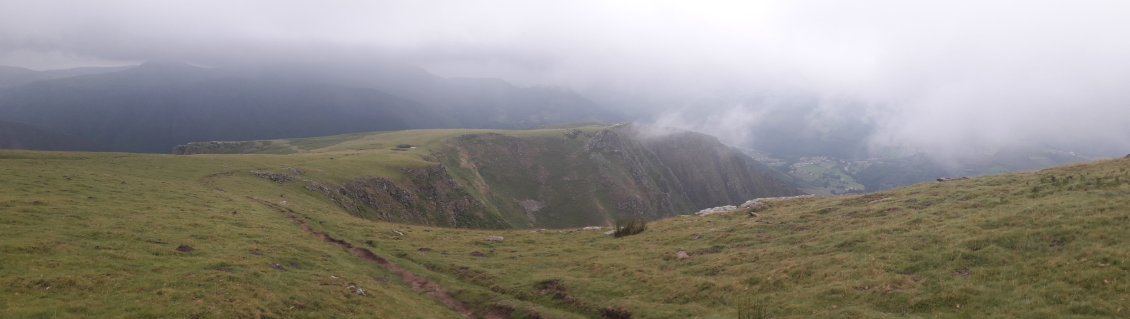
(749, 309)
(628, 227)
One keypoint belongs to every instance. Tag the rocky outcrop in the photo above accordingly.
(224, 147)
(716, 210)
(427, 195)
(751, 206)
(274, 177)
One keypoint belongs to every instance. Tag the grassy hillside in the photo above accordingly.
(562, 177)
(1031, 245)
(108, 235)
(595, 176)
(97, 235)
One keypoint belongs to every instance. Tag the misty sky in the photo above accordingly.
(947, 77)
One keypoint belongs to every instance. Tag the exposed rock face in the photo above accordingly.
(428, 196)
(716, 210)
(272, 176)
(752, 206)
(222, 147)
(680, 255)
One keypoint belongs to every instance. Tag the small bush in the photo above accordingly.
(628, 227)
(750, 309)
(616, 313)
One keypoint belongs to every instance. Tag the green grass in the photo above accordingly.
(95, 235)
(982, 248)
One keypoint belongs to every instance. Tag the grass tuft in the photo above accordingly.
(629, 226)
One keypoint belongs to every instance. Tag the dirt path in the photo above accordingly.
(419, 284)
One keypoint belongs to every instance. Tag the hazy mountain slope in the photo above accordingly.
(14, 76)
(11, 76)
(492, 103)
(153, 107)
(472, 102)
(19, 136)
(97, 235)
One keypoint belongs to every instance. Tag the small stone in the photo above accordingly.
(680, 255)
(754, 214)
(185, 248)
(716, 210)
(755, 205)
(278, 267)
(495, 238)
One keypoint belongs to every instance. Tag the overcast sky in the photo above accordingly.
(945, 76)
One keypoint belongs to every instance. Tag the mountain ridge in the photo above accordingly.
(158, 105)
(591, 175)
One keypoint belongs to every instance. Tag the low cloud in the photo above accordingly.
(944, 77)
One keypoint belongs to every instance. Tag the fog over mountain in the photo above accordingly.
(952, 79)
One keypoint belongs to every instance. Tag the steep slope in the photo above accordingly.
(594, 177)
(539, 178)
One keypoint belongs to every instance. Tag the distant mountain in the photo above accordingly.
(472, 102)
(831, 175)
(14, 76)
(155, 106)
(20, 136)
